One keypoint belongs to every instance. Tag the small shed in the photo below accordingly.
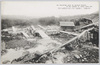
(67, 25)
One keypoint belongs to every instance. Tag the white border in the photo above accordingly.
(53, 64)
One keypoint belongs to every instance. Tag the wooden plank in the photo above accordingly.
(26, 35)
(92, 47)
(69, 33)
(41, 27)
(43, 34)
(87, 26)
(33, 27)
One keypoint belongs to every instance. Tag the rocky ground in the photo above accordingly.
(25, 52)
(73, 53)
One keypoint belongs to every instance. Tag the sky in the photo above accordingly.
(47, 8)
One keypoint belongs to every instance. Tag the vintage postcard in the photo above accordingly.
(49, 32)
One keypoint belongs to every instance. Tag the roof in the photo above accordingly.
(67, 23)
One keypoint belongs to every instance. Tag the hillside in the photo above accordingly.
(94, 17)
(8, 21)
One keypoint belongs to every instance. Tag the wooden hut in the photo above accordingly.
(69, 26)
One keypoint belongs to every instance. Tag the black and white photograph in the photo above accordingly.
(49, 32)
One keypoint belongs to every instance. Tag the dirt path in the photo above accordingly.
(11, 55)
